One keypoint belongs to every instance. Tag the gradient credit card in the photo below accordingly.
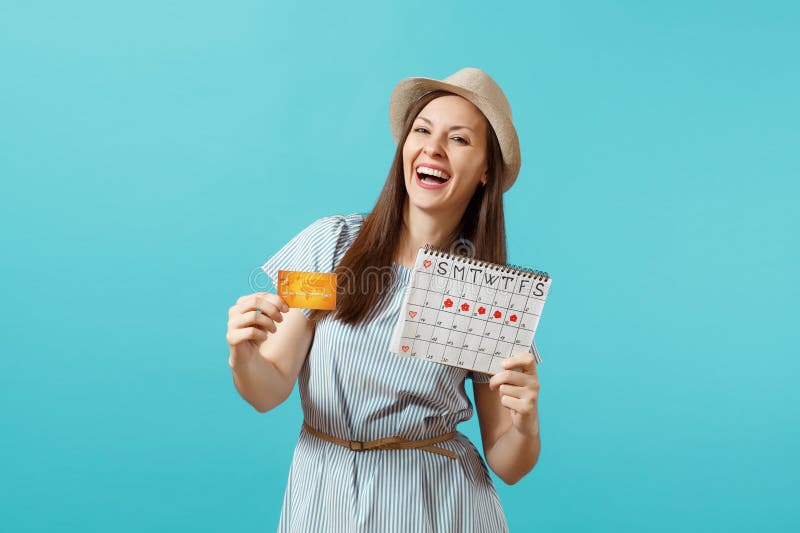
(310, 290)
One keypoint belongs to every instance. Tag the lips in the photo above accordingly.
(433, 170)
(431, 176)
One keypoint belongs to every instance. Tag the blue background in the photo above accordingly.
(152, 154)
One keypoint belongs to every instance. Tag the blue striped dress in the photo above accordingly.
(354, 388)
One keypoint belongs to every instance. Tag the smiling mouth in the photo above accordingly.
(431, 176)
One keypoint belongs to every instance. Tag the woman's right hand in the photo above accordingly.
(249, 321)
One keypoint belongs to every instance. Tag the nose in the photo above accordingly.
(432, 149)
(433, 143)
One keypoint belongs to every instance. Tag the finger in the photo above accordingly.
(237, 336)
(253, 301)
(247, 297)
(523, 361)
(511, 377)
(514, 391)
(252, 334)
(254, 319)
(519, 405)
(519, 360)
(263, 305)
(527, 393)
(277, 301)
(271, 310)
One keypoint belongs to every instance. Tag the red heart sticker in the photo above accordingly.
(412, 314)
(481, 310)
(448, 303)
(404, 348)
(498, 314)
(513, 318)
(465, 307)
(426, 263)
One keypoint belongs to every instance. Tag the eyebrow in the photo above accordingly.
(451, 129)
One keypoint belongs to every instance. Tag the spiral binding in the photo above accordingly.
(527, 272)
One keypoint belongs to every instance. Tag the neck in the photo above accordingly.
(424, 227)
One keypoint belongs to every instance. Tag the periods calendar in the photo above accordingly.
(463, 312)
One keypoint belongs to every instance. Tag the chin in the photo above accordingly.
(427, 204)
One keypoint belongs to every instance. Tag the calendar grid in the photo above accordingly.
(474, 323)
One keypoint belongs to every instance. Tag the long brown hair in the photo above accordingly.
(361, 286)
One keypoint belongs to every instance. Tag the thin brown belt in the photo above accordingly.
(389, 443)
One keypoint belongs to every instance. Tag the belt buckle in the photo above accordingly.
(356, 445)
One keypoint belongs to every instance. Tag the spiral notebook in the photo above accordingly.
(462, 312)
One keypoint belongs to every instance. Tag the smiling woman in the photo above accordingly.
(378, 449)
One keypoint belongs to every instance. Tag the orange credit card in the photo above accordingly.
(311, 290)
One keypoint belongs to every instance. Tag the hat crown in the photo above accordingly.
(480, 83)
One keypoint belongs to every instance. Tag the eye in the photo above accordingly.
(460, 140)
(420, 129)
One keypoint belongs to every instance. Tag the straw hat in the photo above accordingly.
(477, 87)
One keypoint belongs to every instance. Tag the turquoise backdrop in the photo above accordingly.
(152, 154)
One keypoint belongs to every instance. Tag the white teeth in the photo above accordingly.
(433, 172)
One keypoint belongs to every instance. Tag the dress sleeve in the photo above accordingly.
(314, 249)
(478, 377)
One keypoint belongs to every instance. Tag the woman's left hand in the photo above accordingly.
(518, 385)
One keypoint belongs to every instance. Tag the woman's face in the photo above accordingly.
(444, 156)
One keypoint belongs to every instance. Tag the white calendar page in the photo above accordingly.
(468, 314)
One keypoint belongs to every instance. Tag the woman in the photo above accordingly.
(457, 154)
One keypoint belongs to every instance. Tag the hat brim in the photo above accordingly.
(409, 90)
